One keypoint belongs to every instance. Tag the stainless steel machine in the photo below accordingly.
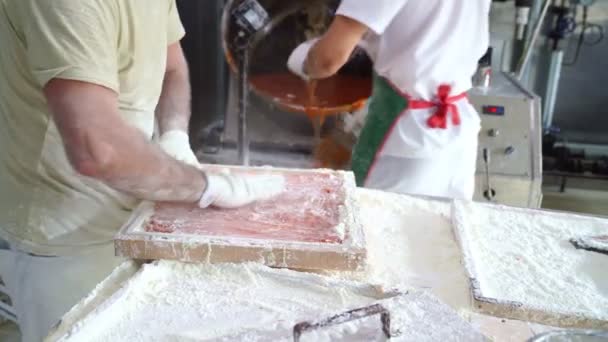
(509, 164)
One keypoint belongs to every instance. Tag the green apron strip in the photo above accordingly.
(384, 108)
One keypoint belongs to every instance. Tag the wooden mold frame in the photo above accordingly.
(513, 309)
(134, 242)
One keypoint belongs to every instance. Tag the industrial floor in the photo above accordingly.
(579, 201)
(9, 332)
(589, 196)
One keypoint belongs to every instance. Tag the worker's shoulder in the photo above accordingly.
(64, 10)
(69, 8)
(71, 5)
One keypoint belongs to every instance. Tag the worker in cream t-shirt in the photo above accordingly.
(420, 136)
(82, 84)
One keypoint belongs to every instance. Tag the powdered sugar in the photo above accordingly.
(410, 243)
(524, 257)
(168, 301)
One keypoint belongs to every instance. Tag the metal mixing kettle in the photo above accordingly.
(258, 37)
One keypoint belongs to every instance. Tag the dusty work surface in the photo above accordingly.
(312, 225)
(169, 301)
(410, 243)
(522, 265)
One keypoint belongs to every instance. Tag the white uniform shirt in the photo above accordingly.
(419, 45)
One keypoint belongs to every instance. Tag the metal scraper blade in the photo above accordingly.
(598, 244)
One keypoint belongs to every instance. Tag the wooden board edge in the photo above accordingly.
(549, 212)
(519, 311)
(351, 215)
(138, 217)
(460, 234)
(352, 260)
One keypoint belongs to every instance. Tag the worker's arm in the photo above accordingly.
(323, 57)
(320, 58)
(173, 111)
(334, 48)
(99, 144)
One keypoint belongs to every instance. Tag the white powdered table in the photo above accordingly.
(172, 301)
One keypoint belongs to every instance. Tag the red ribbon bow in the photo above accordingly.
(445, 105)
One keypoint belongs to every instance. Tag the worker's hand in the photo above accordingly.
(225, 190)
(177, 144)
(298, 57)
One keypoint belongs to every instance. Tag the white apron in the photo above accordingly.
(426, 147)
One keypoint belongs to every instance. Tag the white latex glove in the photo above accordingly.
(354, 122)
(177, 144)
(232, 191)
(298, 57)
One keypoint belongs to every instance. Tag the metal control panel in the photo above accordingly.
(509, 169)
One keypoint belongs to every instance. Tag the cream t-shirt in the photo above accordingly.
(45, 206)
(421, 44)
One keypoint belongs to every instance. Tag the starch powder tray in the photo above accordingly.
(522, 265)
(172, 301)
(312, 225)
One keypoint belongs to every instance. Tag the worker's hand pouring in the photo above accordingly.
(297, 59)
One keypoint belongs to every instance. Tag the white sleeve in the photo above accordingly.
(376, 14)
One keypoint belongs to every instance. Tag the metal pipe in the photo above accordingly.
(523, 63)
(555, 69)
(522, 17)
(490, 193)
(245, 46)
(8, 312)
(243, 93)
